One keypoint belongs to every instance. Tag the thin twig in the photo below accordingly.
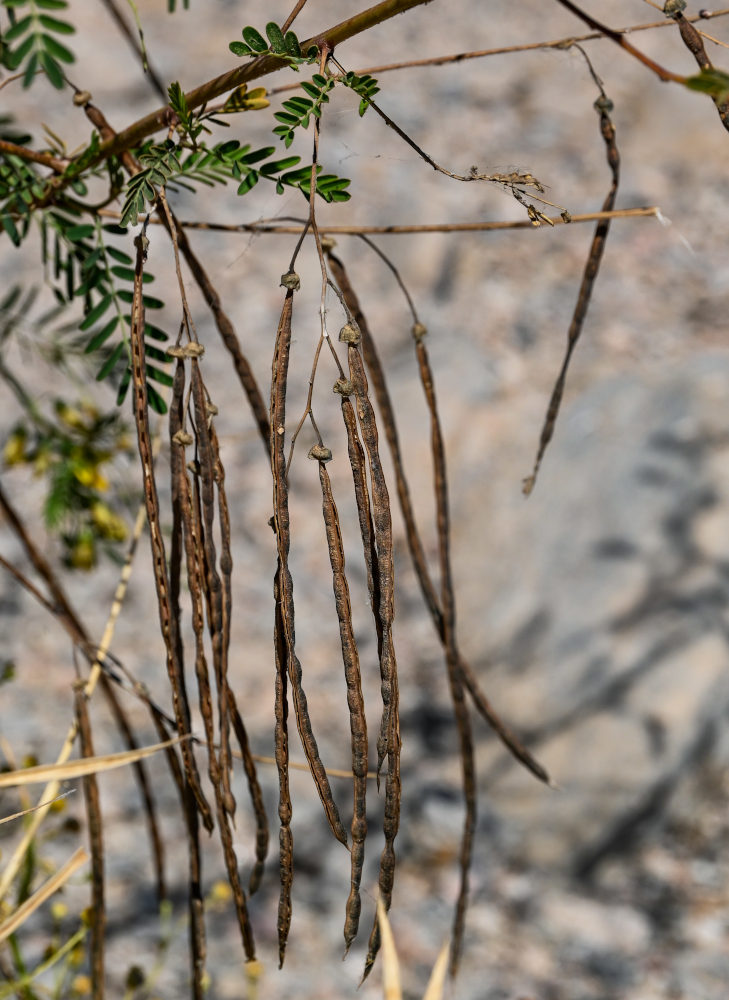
(293, 15)
(558, 43)
(136, 44)
(618, 37)
(436, 227)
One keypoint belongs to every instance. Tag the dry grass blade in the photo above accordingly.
(67, 770)
(169, 623)
(18, 918)
(26, 812)
(390, 962)
(96, 840)
(285, 582)
(597, 248)
(412, 533)
(436, 983)
(355, 701)
(70, 621)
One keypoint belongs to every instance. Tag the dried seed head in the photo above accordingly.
(349, 334)
(320, 453)
(291, 281)
(604, 103)
(192, 350)
(672, 8)
(419, 330)
(343, 386)
(183, 438)
(82, 98)
(328, 243)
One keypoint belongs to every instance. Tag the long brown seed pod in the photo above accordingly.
(281, 740)
(594, 257)
(192, 529)
(355, 700)
(255, 792)
(455, 676)
(362, 499)
(96, 842)
(389, 736)
(285, 582)
(412, 532)
(226, 571)
(168, 623)
(382, 522)
(214, 585)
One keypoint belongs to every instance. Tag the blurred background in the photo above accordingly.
(595, 612)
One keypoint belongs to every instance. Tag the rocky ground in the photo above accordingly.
(595, 612)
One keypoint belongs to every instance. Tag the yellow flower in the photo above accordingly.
(108, 524)
(82, 554)
(14, 450)
(81, 985)
(59, 910)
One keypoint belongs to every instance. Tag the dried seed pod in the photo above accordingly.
(419, 330)
(320, 453)
(327, 243)
(291, 281)
(183, 438)
(350, 334)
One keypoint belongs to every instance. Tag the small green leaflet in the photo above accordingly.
(714, 82)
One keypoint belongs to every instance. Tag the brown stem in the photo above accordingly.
(253, 70)
(46, 159)
(619, 39)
